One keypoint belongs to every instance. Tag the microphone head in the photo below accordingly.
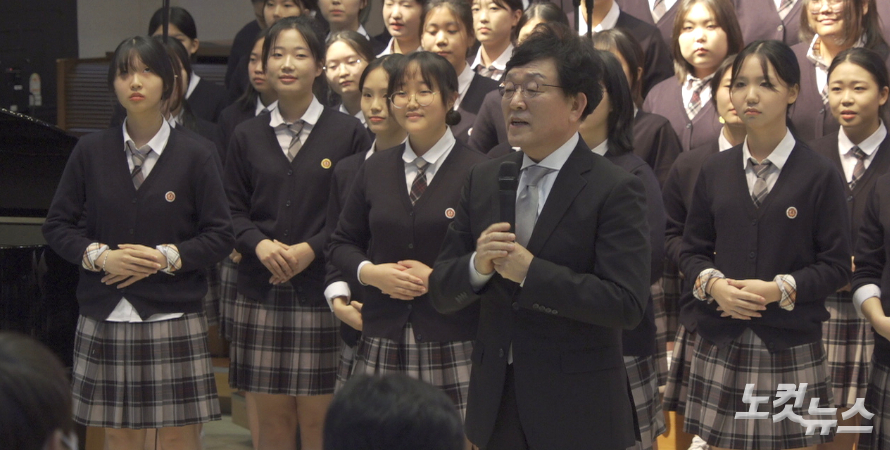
(508, 176)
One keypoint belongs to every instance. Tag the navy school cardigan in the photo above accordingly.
(872, 251)
(801, 229)
(181, 202)
(272, 198)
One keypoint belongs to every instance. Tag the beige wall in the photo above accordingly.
(102, 24)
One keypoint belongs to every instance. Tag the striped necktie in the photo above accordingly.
(419, 185)
(296, 128)
(785, 8)
(658, 10)
(138, 157)
(760, 191)
(859, 169)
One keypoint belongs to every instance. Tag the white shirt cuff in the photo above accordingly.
(864, 293)
(477, 280)
(358, 272)
(336, 289)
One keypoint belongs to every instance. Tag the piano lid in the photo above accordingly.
(33, 154)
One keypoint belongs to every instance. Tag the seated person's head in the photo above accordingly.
(393, 412)
(35, 397)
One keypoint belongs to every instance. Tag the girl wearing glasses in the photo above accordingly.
(392, 225)
(705, 31)
(284, 338)
(857, 93)
(759, 259)
(347, 55)
(448, 32)
(608, 132)
(829, 27)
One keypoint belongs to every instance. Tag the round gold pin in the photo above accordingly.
(326, 163)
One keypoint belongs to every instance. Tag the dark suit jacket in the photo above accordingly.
(811, 118)
(588, 280)
(490, 128)
(470, 104)
(378, 223)
(658, 64)
(759, 19)
(666, 99)
(641, 340)
(640, 10)
(656, 143)
(858, 197)
(873, 252)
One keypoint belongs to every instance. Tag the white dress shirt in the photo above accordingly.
(607, 23)
(260, 107)
(463, 83)
(284, 135)
(723, 144)
(391, 45)
(869, 146)
(778, 157)
(499, 64)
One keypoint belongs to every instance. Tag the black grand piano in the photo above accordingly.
(37, 287)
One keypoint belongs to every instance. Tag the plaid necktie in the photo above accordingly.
(658, 10)
(138, 157)
(785, 8)
(859, 169)
(419, 184)
(694, 105)
(527, 203)
(761, 189)
(488, 72)
(296, 128)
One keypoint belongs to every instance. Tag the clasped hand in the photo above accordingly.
(284, 261)
(744, 299)
(497, 250)
(130, 263)
(404, 280)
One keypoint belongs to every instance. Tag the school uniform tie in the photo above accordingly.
(760, 191)
(785, 8)
(527, 203)
(859, 169)
(296, 128)
(419, 185)
(137, 155)
(487, 72)
(658, 10)
(694, 105)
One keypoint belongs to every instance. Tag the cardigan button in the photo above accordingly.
(418, 337)
(290, 172)
(287, 203)
(410, 245)
(515, 306)
(850, 198)
(780, 27)
(500, 353)
(751, 255)
(134, 200)
(688, 125)
(285, 233)
(410, 307)
(754, 223)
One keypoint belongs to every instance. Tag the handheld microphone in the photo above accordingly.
(508, 182)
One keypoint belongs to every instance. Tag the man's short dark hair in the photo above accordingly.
(577, 65)
(393, 412)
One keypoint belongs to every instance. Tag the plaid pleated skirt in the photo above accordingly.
(643, 379)
(656, 291)
(211, 298)
(877, 402)
(677, 388)
(279, 347)
(344, 368)
(143, 375)
(849, 344)
(717, 381)
(445, 365)
(672, 285)
(228, 291)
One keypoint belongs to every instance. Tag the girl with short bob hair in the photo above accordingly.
(448, 31)
(858, 89)
(608, 130)
(760, 259)
(495, 26)
(284, 338)
(705, 31)
(826, 29)
(206, 99)
(396, 203)
(346, 56)
(141, 359)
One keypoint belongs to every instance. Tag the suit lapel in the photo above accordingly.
(569, 182)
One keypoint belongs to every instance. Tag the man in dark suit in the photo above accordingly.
(547, 366)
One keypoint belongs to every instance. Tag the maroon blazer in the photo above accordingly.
(759, 20)
(640, 10)
(666, 100)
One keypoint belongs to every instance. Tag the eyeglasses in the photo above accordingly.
(423, 98)
(333, 66)
(529, 90)
(834, 5)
